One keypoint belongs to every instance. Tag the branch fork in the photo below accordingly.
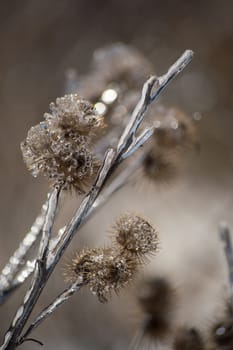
(48, 258)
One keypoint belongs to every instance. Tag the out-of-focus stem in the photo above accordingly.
(10, 277)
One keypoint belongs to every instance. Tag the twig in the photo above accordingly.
(23, 312)
(128, 137)
(84, 208)
(117, 183)
(112, 159)
(48, 224)
(139, 141)
(147, 97)
(64, 296)
(172, 72)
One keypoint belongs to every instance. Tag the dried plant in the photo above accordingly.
(65, 147)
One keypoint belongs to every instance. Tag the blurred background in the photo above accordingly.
(39, 41)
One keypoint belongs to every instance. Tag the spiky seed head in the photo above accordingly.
(103, 270)
(136, 235)
(66, 162)
(59, 148)
(73, 114)
(159, 166)
(188, 339)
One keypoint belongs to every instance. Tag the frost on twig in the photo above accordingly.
(47, 259)
(147, 97)
(17, 269)
(46, 312)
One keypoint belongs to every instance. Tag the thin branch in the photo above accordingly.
(172, 72)
(34, 341)
(63, 297)
(117, 183)
(84, 208)
(48, 224)
(128, 137)
(139, 141)
(8, 277)
(37, 285)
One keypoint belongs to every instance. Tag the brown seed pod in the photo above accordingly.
(59, 148)
(135, 235)
(157, 301)
(102, 270)
(66, 162)
(188, 339)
